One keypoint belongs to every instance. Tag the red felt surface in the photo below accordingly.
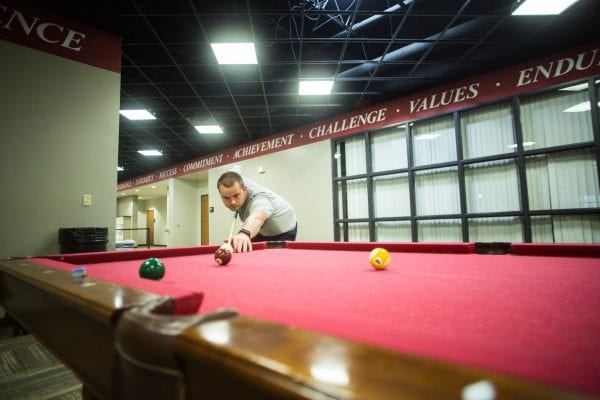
(536, 317)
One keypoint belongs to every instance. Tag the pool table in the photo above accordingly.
(315, 320)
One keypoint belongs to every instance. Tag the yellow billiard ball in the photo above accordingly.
(379, 258)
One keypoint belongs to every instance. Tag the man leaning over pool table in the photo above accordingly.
(265, 215)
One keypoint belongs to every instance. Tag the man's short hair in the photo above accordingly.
(229, 178)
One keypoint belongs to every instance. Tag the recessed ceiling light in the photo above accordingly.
(308, 88)
(135, 115)
(150, 152)
(208, 129)
(234, 53)
(543, 7)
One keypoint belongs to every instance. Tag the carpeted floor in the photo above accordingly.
(29, 371)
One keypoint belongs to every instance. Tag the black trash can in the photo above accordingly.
(82, 240)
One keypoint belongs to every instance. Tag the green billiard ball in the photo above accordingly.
(152, 268)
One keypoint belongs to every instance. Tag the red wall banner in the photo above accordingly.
(38, 29)
(577, 63)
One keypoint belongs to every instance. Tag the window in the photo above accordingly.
(528, 179)
(434, 141)
(351, 157)
(441, 230)
(497, 229)
(557, 118)
(492, 186)
(566, 228)
(388, 149)
(353, 199)
(391, 196)
(436, 191)
(561, 180)
(356, 231)
(395, 231)
(487, 131)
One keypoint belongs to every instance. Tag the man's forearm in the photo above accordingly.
(250, 228)
(253, 223)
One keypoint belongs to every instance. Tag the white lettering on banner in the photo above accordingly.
(445, 98)
(559, 67)
(205, 162)
(264, 146)
(168, 173)
(346, 124)
(144, 180)
(46, 31)
(125, 185)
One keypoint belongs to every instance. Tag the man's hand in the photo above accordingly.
(241, 243)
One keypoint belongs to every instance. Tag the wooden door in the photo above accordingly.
(150, 226)
(204, 219)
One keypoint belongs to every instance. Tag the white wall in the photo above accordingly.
(131, 206)
(161, 218)
(301, 175)
(184, 213)
(126, 206)
(59, 127)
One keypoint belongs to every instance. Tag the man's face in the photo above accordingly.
(233, 197)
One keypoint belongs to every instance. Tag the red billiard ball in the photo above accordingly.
(222, 256)
(379, 258)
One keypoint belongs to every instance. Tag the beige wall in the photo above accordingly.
(301, 175)
(126, 206)
(161, 218)
(59, 127)
(183, 209)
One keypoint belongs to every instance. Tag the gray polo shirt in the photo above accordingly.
(280, 214)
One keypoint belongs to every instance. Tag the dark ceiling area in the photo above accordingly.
(374, 50)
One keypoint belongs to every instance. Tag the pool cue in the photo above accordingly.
(231, 230)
